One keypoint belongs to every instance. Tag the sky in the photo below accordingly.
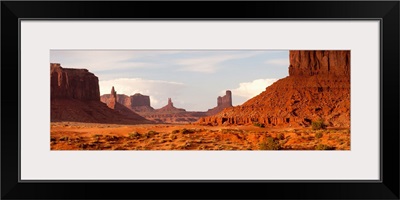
(193, 79)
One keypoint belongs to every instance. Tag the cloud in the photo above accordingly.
(98, 60)
(158, 90)
(210, 63)
(284, 62)
(251, 89)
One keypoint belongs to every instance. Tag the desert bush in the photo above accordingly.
(187, 131)
(319, 135)
(269, 144)
(149, 134)
(324, 147)
(112, 138)
(175, 131)
(172, 137)
(134, 135)
(280, 136)
(64, 138)
(318, 125)
(96, 137)
(259, 124)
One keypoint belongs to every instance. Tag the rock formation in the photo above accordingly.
(136, 102)
(73, 83)
(222, 102)
(75, 97)
(113, 99)
(318, 87)
(169, 108)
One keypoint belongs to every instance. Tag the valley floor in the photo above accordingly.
(89, 136)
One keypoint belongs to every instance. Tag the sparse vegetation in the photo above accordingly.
(280, 136)
(134, 135)
(324, 147)
(96, 137)
(319, 134)
(318, 125)
(112, 138)
(170, 137)
(187, 131)
(259, 124)
(269, 144)
(64, 138)
(151, 132)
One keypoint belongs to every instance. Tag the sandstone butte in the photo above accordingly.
(136, 102)
(222, 102)
(75, 97)
(317, 88)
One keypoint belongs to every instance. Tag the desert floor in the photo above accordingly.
(87, 136)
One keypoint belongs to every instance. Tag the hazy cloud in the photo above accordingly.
(251, 89)
(106, 60)
(210, 63)
(284, 62)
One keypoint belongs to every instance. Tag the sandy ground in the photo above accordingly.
(88, 136)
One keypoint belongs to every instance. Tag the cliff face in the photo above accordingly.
(318, 87)
(77, 84)
(309, 63)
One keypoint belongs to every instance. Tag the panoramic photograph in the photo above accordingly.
(223, 100)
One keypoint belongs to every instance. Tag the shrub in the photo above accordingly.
(318, 125)
(319, 135)
(187, 131)
(324, 147)
(259, 124)
(280, 136)
(151, 133)
(112, 138)
(134, 135)
(64, 138)
(172, 137)
(269, 144)
(175, 131)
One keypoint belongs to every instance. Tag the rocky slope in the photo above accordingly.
(75, 97)
(318, 87)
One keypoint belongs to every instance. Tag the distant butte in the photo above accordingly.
(136, 102)
(222, 102)
(169, 108)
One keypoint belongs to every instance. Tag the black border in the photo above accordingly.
(386, 11)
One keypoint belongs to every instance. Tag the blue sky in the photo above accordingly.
(192, 78)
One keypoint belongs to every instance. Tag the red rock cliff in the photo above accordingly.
(318, 87)
(303, 63)
(77, 84)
